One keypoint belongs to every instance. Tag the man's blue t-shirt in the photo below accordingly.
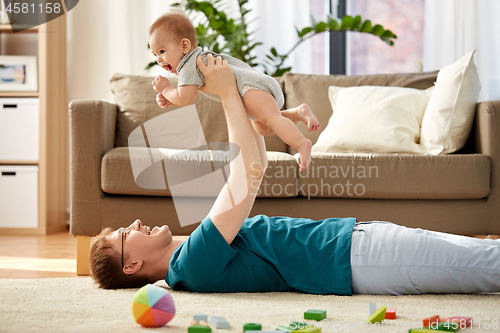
(268, 254)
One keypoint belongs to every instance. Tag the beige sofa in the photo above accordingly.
(457, 193)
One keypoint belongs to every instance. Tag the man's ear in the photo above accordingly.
(186, 45)
(133, 267)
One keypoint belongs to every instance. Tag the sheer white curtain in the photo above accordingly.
(107, 37)
(456, 27)
(274, 24)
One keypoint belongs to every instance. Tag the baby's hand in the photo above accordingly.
(159, 83)
(162, 101)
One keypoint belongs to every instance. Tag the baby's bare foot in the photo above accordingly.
(305, 153)
(308, 117)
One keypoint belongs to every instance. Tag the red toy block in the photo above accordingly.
(431, 321)
(467, 321)
(390, 313)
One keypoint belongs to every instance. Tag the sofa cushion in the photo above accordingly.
(136, 102)
(374, 119)
(117, 175)
(396, 176)
(313, 90)
(450, 113)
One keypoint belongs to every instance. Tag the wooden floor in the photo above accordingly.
(31, 257)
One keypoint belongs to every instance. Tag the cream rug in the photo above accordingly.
(76, 304)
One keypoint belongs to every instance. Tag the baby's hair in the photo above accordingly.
(177, 23)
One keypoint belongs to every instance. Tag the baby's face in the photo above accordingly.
(167, 50)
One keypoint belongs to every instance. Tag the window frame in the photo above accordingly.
(338, 42)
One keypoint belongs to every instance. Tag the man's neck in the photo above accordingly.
(163, 264)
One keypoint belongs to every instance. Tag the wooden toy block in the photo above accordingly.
(431, 321)
(372, 307)
(445, 326)
(390, 313)
(295, 325)
(219, 322)
(461, 320)
(204, 323)
(309, 330)
(252, 327)
(199, 329)
(378, 316)
(283, 329)
(193, 322)
(315, 314)
(200, 316)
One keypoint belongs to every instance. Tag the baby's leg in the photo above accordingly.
(302, 113)
(263, 107)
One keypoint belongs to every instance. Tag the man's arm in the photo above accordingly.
(236, 198)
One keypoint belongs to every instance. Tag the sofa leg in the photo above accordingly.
(82, 255)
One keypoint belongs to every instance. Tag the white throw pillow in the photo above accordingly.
(372, 119)
(450, 113)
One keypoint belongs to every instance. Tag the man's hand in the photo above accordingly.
(162, 101)
(159, 83)
(219, 78)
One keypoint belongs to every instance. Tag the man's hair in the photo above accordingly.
(106, 268)
(176, 23)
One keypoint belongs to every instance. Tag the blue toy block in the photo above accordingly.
(219, 322)
(372, 307)
(200, 316)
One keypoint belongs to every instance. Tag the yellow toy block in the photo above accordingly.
(378, 316)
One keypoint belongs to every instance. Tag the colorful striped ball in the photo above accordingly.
(152, 306)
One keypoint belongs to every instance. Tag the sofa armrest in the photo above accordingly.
(92, 134)
(487, 141)
(487, 129)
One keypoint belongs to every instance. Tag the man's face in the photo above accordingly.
(167, 49)
(141, 243)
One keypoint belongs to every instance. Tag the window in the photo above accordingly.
(367, 54)
(354, 53)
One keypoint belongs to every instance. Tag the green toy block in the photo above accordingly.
(308, 330)
(199, 329)
(283, 328)
(252, 327)
(445, 326)
(315, 314)
(378, 316)
(295, 325)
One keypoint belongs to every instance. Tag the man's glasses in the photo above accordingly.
(124, 232)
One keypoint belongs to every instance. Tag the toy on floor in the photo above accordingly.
(372, 307)
(315, 314)
(378, 316)
(198, 324)
(432, 321)
(390, 313)
(152, 306)
(198, 328)
(462, 322)
(195, 322)
(219, 322)
(200, 316)
(252, 327)
(445, 326)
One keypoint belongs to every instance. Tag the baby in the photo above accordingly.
(172, 39)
